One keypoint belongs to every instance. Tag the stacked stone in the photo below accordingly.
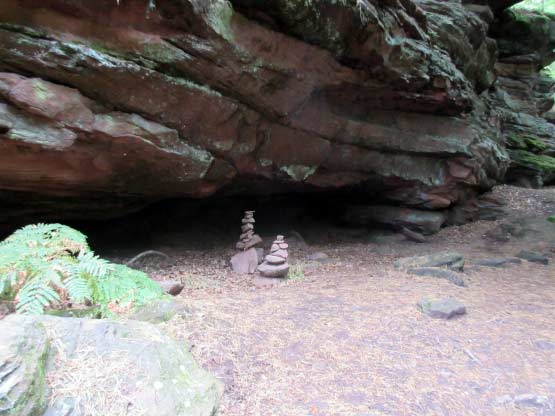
(248, 238)
(275, 264)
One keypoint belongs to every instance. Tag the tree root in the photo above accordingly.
(147, 253)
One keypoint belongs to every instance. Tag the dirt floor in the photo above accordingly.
(344, 337)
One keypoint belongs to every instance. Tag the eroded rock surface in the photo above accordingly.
(144, 371)
(523, 95)
(112, 106)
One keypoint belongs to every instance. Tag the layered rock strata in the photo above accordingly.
(109, 106)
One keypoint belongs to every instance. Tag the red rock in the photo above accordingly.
(185, 100)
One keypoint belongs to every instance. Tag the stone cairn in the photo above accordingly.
(246, 261)
(275, 264)
(248, 238)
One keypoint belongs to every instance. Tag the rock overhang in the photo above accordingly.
(169, 105)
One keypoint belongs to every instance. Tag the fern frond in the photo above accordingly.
(41, 263)
(91, 264)
(35, 296)
(78, 289)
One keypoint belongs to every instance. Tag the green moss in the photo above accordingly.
(535, 143)
(525, 142)
(90, 312)
(515, 141)
(220, 17)
(42, 92)
(35, 400)
(542, 163)
(163, 52)
(23, 29)
(299, 173)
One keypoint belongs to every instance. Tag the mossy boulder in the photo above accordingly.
(24, 348)
(146, 371)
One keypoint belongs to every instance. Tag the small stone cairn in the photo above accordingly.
(275, 264)
(246, 261)
(248, 238)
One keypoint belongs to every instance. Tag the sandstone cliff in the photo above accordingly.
(108, 106)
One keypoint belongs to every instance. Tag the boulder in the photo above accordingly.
(159, 311)
(24, 348)
(425, 222)
(121, 366)
(442, 308)
(444, 259)
(245, 262)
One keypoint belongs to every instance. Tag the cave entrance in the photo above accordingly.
(202, 225)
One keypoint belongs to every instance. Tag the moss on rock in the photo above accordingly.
(525, 142)
(543, 163)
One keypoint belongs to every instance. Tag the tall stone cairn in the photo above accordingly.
(248, 238)
(275, 264)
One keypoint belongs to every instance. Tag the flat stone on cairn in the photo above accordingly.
(246, 261)
(275, 264)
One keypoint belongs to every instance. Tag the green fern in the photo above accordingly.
(44, 265)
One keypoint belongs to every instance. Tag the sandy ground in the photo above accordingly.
(346, 337)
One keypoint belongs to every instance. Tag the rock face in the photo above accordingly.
(426, 222)
(144, 371)
(524, 95)
(112, 105)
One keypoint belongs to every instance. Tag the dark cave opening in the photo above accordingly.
(215, 222)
